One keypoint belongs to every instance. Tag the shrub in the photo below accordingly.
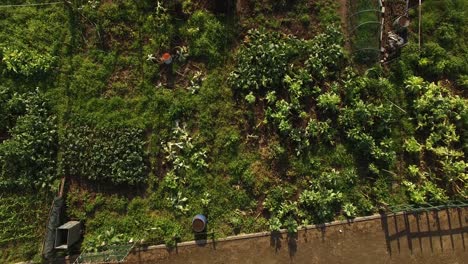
(89, 77)
(5, 110)
(205, 35)
(161, 27)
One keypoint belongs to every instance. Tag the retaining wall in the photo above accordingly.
(428, 237)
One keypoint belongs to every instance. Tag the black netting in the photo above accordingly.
(55, 218)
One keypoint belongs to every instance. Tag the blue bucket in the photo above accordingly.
(199, 223)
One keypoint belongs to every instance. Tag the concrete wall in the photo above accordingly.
(432, 237)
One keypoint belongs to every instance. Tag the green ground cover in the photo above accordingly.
(22, 225)
(261, 122)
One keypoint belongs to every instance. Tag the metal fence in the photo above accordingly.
(408, 208)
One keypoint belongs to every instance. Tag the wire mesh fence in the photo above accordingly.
(112, 254)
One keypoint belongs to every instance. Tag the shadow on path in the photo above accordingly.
(407, 231)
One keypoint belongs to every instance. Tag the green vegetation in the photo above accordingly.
(28, 155)
(444, 49)
(261, 121)
(22, 231)
(440, 121)
(115, 156)
(205, 36)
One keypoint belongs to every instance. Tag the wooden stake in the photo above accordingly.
(62, 185)
(419, 26)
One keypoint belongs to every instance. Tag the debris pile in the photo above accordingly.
(395, 24)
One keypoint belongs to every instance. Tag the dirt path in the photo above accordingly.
(343, 11)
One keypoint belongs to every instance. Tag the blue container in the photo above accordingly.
(199, 223)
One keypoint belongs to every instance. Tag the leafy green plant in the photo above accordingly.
(236, 220)
(102, 241)
(412, 145)
(195, 82)
(291, 225)
(250, 98)
(349, 210)
(28, 158)
(325, 54)
(286, 216)
(424, 193)
(181, 153)
(440, 119)
(324, 197)
(367, 127)
(275, 224)
(27, 62)
(284, 213)
(183, 158)
(262, 61)
(321, 203)
(179, 203)
(105, 155)
(329, 101)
